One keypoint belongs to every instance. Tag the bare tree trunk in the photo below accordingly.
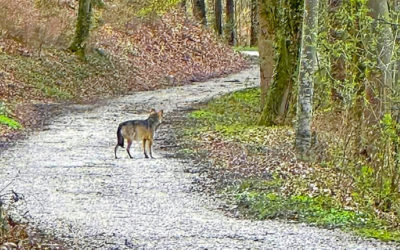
(254, 23)
(306, 77)
(83, 24)
(230, 23)
(218, 16)
(199, 11)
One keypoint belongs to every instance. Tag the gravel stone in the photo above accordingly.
(73, 188)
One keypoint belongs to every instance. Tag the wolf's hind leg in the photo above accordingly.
(144, 148)
(128, 147)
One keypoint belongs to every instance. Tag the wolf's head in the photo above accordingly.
(156, 117)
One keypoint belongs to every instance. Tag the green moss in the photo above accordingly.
(10, 122)
(246, 48)
(282, 84)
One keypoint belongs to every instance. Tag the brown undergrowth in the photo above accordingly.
(145, 53)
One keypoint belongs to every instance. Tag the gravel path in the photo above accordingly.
(75, 189)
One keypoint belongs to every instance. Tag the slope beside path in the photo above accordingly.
(73, 187)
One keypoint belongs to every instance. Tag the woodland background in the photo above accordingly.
(318, 142)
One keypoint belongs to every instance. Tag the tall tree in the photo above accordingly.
(218, 16)
(83, 24)
(283, 19)
(230, 22)
(199, 11)
(254, 23)
(306, 77)
(266, 9)
(384, 36)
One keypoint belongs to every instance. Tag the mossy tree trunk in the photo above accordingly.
(230, 23)
(266, 36)
(83, 24)
(277, 98)
(199, 11)
(284, 18)
(218, 17)
(306, 77)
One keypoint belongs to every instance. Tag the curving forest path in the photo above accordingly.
(73, 188)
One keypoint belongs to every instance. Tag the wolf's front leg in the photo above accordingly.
(150, 145)
(128, 147)
(144, 149)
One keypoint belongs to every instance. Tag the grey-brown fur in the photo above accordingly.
(139, 130)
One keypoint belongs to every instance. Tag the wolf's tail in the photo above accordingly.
(120, 140)
(120, 137)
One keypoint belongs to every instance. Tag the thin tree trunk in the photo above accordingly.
(199, 11)
(254, 23)
(82, 27)
(230, 23)
(183, 5)
(218, 16)
(306, 77)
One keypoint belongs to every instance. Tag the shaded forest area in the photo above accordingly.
(319, 142)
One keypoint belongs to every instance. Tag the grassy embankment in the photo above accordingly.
(255, 169)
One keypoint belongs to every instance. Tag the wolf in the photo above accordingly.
(139, 130)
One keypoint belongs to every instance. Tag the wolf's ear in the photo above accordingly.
(160, 113)
(152, 111)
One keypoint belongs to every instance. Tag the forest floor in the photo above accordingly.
(64, 180)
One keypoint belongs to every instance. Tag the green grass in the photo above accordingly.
(231, 115)
(245, 48)
(261, 199)
(9, 122)
(232, 118)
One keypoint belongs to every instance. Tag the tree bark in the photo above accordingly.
(284, 21)
(306, 77)
(254, 23)
(183, 5)
(218, 17)
(266, 45)
(82, 27)
(380, 12)
(199, 11)
(277, 96)
(230, 23)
